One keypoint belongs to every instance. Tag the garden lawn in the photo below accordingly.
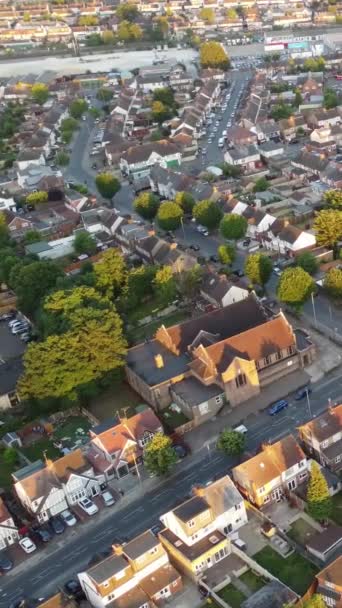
(294, 571)
(36, 450)
(145, 309)
(336, 513)
(139, 334)
(6, 470)
(253, 581)
(301, 531)
(232, 596)
(173, 419)
(70, 426)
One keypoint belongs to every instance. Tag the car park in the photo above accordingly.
(68, 518)
(6, 563)
(108, 498)
(27, 544)
(88, 506)
(277, 407)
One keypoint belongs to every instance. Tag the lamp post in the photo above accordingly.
(314, 309)
(308, 401)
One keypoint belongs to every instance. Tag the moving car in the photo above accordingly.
(68, 518)
(302, 392)
(27, 544)
(277, 407)
(108, 498)
(5, 563)
(88, 506)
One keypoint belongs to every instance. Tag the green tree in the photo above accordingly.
(160, 112)
(66, 137)
(35, 198)
(10, 456)
(127, 12)
(298, 100)
(60, 365)
(146, 204)
(165, 286)
(138, 286)
(213, 55)
(295, 287)
(88, 20)
(8, 260)
(188, 282)
(232, 14)
(261, 184)
(317, 495)
(330, 99)
(26, 17)
(84, 243)
(77, 108)
(207, 213)
(333, 198)
(165, 95)
(32, 282)
(333, 282)
(69, 124)
(104, 95)
(159, 455)
(62, 159)
(40, 93)
(328, 227)
(185, 200)
(108, 37)
(110, 272)
(308, 262)
(314, 64)
(281, 110)
(169, 215)
(207, 15)
(135, 31)
(162, 24)
(230, 170)
(231, 443)
(4, 231)
(226, 254)
(233, 226)
(107, 184)
(32, 236)
(258, 268)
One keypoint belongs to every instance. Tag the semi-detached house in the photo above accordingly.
(322, 438)
(138, 574)
(137, 161)
(9, 533)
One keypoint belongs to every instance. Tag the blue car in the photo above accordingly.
(277, 407)
(302, 393)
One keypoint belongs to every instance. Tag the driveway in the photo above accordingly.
(10, 346)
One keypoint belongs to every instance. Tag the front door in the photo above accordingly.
(277, 495)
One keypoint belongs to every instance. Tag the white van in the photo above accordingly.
(241, 429)
(221, 142)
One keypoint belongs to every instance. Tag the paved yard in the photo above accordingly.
(301, 531)
(336, 514)
(294, 571)
(10, 346)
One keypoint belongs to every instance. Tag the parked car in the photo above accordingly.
(194, 247)
(73, 587)
(241, 429)
(88, 506)
(68, 518)
(57, 525)
(238, 273)
(7, 316)
(277, 271)
(108, 498)
(180, 451)
(214, 258)
(157, 528)
(303, 392)
(277, 407)
(27, 544)
(6, 563)
(41, 533)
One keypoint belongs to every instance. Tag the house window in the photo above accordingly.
(329, 601)
(290, 350)
(302, 464)
(237, 507)
(267, 360)
(303, 475)
(154, 550)
(261, 490)
(324, 444)
(191, 523)
(218, 399)
(203, 408)
(337, 459)
(240, 380)
(279, 355)
(266, 499)
(220, 555)
(291, 484)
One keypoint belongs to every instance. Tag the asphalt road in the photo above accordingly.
(41, 575)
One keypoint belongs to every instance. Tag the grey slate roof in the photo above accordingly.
(194, 392)
(108, 568)
(141, 544)
(191, 508)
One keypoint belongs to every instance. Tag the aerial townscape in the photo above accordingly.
(170, 304)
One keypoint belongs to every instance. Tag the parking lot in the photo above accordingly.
(10, 346)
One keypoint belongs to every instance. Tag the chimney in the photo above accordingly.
(159, 361)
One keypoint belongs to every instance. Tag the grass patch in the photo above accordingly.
(36, 450)
(70, 427)
(173, 419)
(301, 531)
(232, 596)
(6, 471)
(253, 581)
(117, 399)
(294, 571)
(145, 309)
(138, 334)
(336, 513)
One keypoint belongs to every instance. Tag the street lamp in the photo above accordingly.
(308, 401)
(314, 309)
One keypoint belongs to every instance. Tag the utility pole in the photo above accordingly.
(308, 401)
(314, 309)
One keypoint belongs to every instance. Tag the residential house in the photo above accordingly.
(138, 161)
(29, 157)
(258, 221)
(256, 111)
(325, 544)
(232, 352)
(270, 475)
(325, 118)
(266, 130)
(313, 163)
(322, 438)
(289, 126)
(239, 136)
(221, 290)
(332, 175)
(247, 157)
(329, 584)
(117, 446)
(9, 533)
(196, 532)
(167, 183)
(270, 149)
(46, 489)
(287, 239)
(137, 575)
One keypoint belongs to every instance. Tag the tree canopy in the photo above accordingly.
(226, 254)
(185, 200)
(40, 93)
(165, 285)
(333, 282)
(169, 215)
(139, 284)
(233, 226)
(330, 99)
(231, 443)
(207, 213)
(308, 262)
(258, 268)
(295, 287)
(107, 184)
(84, 243)
(328, 227)
(127, 11)
(159, 455)
(317, 496)
(77, 108)
(32, 282)
(34, 198)
(4, 231)
(261, 184)
(207, 15)
(333, 198)
(213, 55)
(110, 272)
(146, 204)
(160, 111)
